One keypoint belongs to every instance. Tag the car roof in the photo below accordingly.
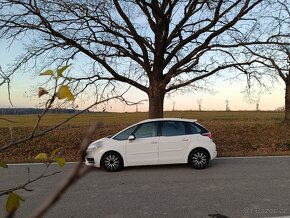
(168, 119)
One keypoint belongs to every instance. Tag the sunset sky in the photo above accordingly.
(24, 92)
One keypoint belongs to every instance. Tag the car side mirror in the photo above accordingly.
(131, 138)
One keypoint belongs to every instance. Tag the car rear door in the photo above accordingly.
(174, 141)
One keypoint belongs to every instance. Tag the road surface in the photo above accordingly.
(234, 187)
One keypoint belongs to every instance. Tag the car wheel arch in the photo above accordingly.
(198, 149)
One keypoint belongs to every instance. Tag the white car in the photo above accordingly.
(154, 141)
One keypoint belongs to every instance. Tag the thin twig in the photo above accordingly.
(24, 186)
(5, 147)
(8, 120)
(6, 79)
(47, 107)
(78, 172)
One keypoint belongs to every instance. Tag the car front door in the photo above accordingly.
(173, 142)
(143, 149)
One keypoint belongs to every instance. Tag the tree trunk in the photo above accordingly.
(156, 103)
(287, 103)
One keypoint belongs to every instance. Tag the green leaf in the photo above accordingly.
(41, 156)
(60, 70)
(47, 73)
(64, 92)
(13, 202)
(53, 153)
(3, 165)
(60, 161)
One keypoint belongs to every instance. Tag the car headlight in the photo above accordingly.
(95, 145)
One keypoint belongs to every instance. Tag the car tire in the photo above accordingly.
(199, 159)
(112, 162)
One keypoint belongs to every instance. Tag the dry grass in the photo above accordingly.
(235, 133)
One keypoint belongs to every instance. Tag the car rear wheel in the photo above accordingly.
(199, 159)
(112, 162)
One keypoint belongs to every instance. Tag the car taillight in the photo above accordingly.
(208, 134)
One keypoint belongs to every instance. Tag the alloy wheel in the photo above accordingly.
(112, 162)
(199, 160)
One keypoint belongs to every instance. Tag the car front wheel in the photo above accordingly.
(112, 162)
(199, 159)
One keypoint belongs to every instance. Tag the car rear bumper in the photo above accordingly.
(213, 155)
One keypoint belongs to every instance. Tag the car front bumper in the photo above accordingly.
(91, 160)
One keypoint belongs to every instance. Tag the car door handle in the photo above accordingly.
(185, 140)
(153, 142)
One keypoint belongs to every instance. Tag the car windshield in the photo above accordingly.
(125, 134)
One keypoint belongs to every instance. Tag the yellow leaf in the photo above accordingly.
(47, 73)
(13, 202)
(60, 70)
(42, 91)
(64, 92)
(53, 153)
(41, 156)
(60, 161)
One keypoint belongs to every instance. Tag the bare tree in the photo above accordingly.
(272, 57)
(155, 46)
(173, 105)
(199, 101)
(5, 79)
(227, 105)
(257, 106)
(277, 63)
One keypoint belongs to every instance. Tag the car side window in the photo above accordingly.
(194, 128)
(172, 128)
(145, 130)
(125, 134)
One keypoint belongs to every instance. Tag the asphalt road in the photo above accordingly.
(246, 187)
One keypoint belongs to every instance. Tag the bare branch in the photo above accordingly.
(77, 173)
(42, 133)
(166, 43)
(5, 79)
(8, 120)
(24, 186)
(219, 68)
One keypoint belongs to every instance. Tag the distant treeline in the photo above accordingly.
(13, 111)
